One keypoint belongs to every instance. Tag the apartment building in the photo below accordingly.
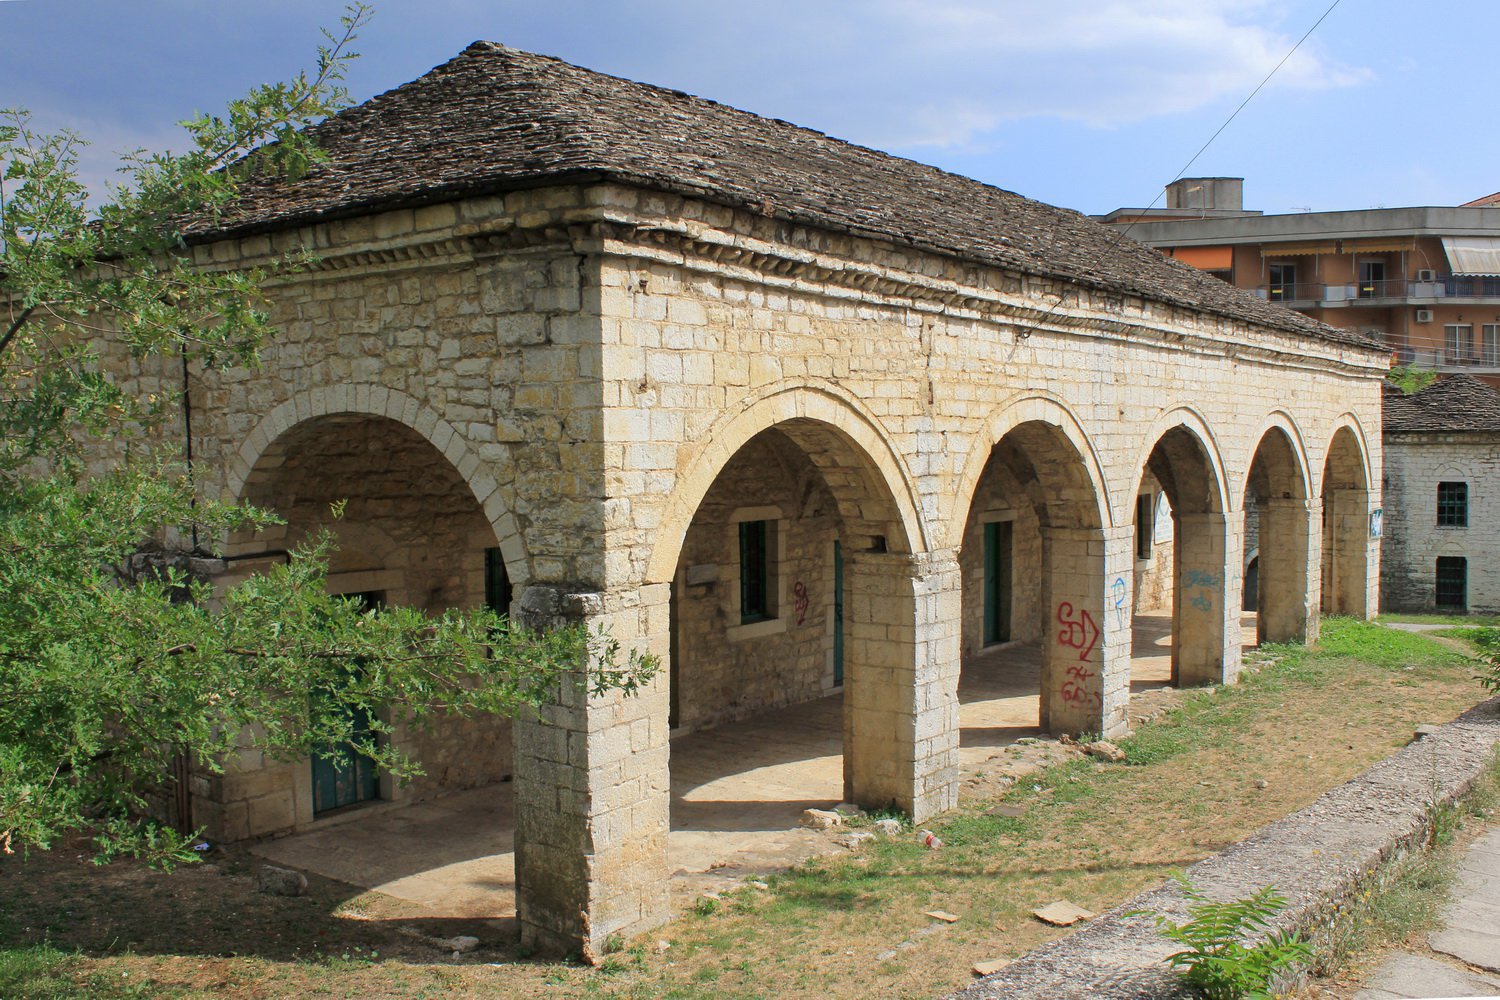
(1423, 280)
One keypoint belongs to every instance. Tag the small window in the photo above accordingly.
(757, 541)
(1145, 521)
(1453, 505)
(1453, 582)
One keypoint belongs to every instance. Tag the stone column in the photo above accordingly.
(1087, 574)
(1289, 570)
(592, 799)
(1347, 550)
(1205, 612)
(901, 651)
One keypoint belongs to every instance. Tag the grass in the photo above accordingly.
(1435, 619)
(1206, 774)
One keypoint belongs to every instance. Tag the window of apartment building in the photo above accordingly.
(1371, 278)
(1283, 280)
(757, 571)
(1453, 582)
(1458, 341)
(1145, 521)
(1489, 344)
(1453, 505)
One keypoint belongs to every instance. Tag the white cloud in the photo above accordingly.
(905, 73)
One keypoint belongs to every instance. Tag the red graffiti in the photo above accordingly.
(799, 591)
(1080, 633)
(1077, 689)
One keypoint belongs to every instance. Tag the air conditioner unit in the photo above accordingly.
(1426, 274)
(1424, 315)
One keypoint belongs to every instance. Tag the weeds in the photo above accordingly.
(1216, 960)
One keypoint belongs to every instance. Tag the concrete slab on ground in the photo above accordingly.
(1404, 976)
(1471, 931)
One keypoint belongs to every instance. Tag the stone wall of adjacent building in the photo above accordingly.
(999, 497)
(1414, 465)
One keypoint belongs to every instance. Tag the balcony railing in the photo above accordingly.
(1442, 286)
(1446, 360)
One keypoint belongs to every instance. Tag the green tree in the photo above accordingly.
(112, 662)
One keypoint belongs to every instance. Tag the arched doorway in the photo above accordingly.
(1278, 525)
(1185, 567)
(797, 672)
(409, 532)
(1346, 582)
(1033, 566)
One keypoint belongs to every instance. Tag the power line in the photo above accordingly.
(1123, 233)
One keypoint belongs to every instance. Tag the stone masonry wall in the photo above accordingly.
(1414, 465)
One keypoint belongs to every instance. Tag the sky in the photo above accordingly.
(1089, 104)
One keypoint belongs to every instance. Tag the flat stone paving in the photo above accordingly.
(1468, 944)
(738, 792)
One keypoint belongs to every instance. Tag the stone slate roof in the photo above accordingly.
(495, 118)
(1452, 403)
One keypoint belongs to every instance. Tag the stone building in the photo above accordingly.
(797, 416)
(1442, 489)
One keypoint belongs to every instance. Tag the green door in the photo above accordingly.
(838, 615)
(341, 775)
(997, 572)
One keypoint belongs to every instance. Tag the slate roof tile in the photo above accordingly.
(1452, 403)
(495, 118)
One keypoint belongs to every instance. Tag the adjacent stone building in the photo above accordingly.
(1442, 489)
(797, 416)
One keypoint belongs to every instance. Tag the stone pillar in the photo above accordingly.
(592, 799)
(1205, 611)
(901, 653)
(1087, 575)
(1347, 554)
(1289, 570)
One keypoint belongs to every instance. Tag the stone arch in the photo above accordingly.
(1347, 456)
(267, 438)
(1278, 520)
(869, 480)
(1348, 573)
(1180, 452)
(1193, 430)
(1037, 409)
(1297, 465)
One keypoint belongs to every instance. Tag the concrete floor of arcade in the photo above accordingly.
(738, 792)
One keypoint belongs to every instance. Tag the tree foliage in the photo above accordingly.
(107, 671)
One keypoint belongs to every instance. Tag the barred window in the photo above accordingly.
(1453, 505)
(1453, 582)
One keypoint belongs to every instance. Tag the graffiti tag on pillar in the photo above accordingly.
(1078, 689)
(1118, 593)
(1197, 579)
(799, 592)
(1080, 632)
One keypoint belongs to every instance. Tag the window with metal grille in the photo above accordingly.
(756, 541)
(1453, 582)
(1453, 505)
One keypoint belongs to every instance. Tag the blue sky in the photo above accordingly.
(1091, 104)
